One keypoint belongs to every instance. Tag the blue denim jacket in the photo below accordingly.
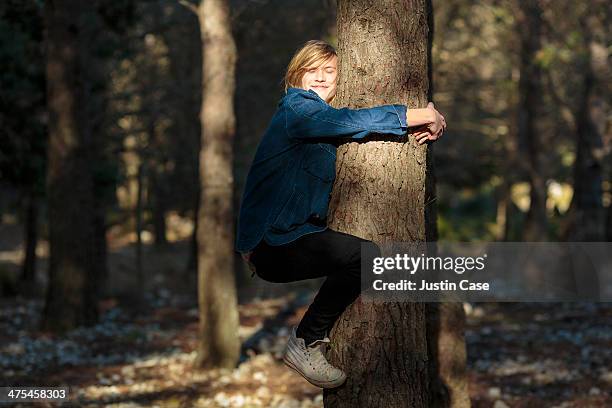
(290, 180)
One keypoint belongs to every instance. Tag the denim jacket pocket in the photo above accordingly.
(320, 162)
(293, 213)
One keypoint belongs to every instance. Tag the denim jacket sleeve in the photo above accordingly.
(308, 117)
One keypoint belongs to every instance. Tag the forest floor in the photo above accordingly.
(142, 354)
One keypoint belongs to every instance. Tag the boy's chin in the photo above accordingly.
(322, 95)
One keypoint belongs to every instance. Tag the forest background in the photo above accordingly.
(498, 179)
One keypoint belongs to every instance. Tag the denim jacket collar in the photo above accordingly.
(291, 91)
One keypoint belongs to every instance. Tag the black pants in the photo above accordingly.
(328, 253)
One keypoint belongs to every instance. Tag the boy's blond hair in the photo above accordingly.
(313, 53)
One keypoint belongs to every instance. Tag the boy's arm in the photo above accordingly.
(308, 117)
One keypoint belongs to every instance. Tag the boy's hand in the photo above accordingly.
(421, 134)
(436, 128)
(247, 258)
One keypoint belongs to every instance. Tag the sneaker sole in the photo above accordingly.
(320, 384)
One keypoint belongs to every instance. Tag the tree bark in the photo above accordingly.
(70, 299)
(529, 22)
(383, 192)
(447, 355)
(219, 345)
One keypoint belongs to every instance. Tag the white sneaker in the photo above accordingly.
(310, 362)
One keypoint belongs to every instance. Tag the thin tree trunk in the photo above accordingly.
(102, 159)
(192, 263)
(609, 223)
(70, 299)
(101, 248)
(104, 190)
(380, 194)
(138, 215)
(158, 208)
(218, 344)
(529, 22)
(28, 270)
(587, 212)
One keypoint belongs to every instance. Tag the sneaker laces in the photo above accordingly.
(315, 352)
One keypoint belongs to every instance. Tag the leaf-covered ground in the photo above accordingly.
(520, 355)
(141, 354)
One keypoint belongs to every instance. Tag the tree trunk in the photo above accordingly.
(529, 22)
(587, 212)
(138, 214)
(219, 345)
(383, 193)
(28, 270)
(105, 187)
(100, 261)
(159, 222)
(70, 299)
(609, 223)
(192, 262)
(157, 197)
(447, 355)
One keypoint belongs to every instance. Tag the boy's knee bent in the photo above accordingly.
(363, 254)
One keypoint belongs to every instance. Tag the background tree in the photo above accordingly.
(588, 110)
(106, 25)
(529, 25)
(71, 294)
(218, 345)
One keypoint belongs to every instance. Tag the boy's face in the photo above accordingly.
(322, 79)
